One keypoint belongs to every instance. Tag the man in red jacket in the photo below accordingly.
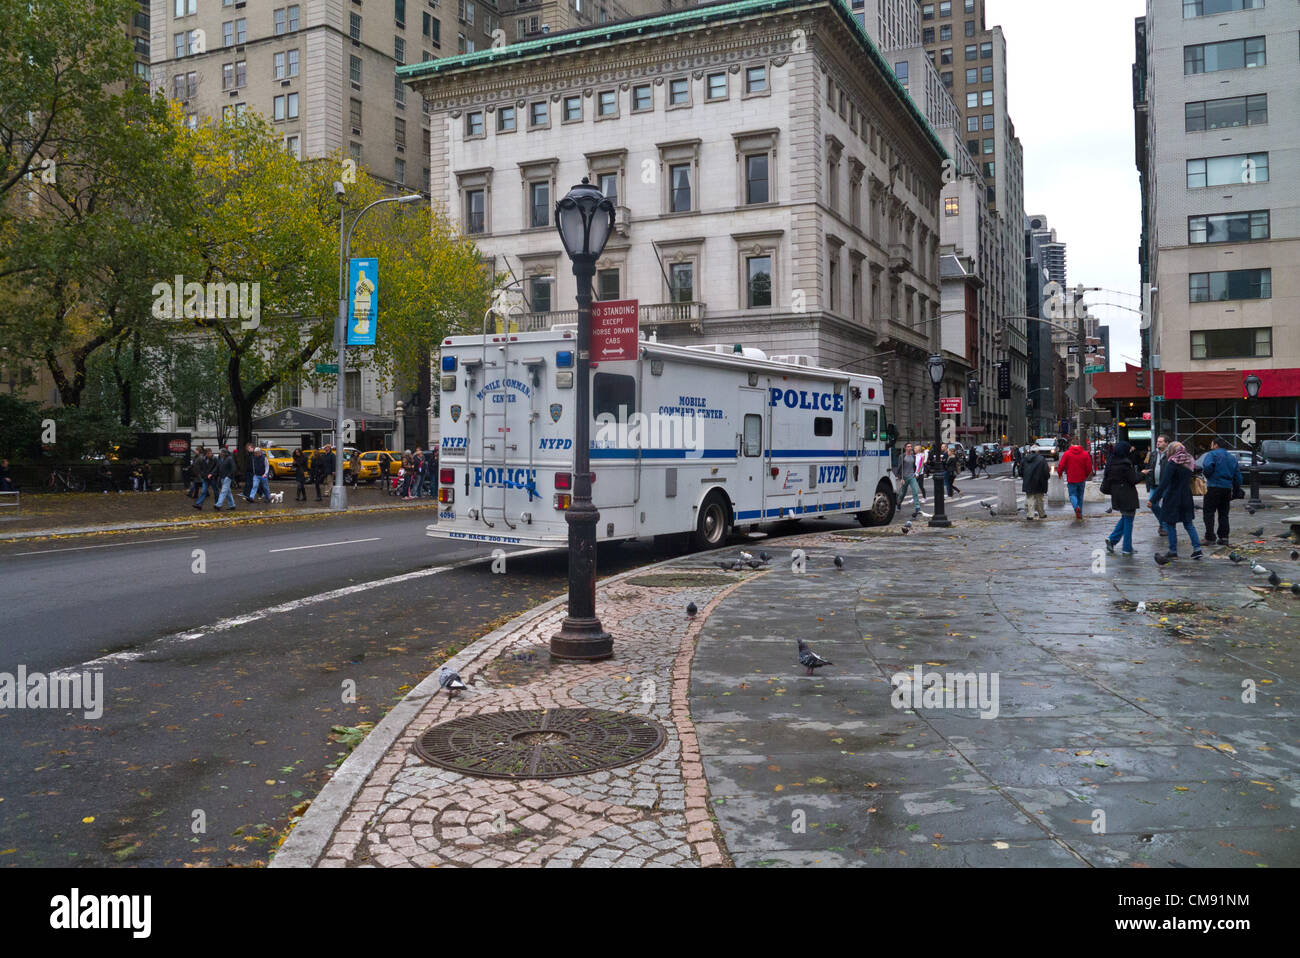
(1076, 466)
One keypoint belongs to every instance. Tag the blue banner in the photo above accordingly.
(363, 301)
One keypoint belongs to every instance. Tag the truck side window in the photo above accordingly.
(870, 425)
(613, 395)
(753, 435)
(823, 426)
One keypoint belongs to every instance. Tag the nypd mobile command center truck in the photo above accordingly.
(685, 439)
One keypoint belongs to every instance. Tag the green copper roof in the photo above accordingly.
(608, 33)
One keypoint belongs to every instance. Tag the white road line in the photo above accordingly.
(107, 545)
(226, 624)
(322, 545)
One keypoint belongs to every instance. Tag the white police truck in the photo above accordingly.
(684, 439)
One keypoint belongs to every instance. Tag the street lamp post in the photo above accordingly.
(339, 493)
(1253, 383)
(584, 219)
(935, 366)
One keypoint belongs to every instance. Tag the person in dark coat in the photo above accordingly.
(1120, 481)
(300, 475)
(1172, 500)
(1036, 472)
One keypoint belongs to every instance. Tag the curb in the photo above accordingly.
(305, 845)
(194, 523)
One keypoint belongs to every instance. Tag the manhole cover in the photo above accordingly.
(539, 744)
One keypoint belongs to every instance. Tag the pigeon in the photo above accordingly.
(1258, 569)
(737, 566)
(809, 659)
(1141, 607)
(1273, 580)
(755, 564)
(1236, 557)
(839, 562)
(1258, 532)
(745, 555)
(1162, 559)
(449, 679)
(765, 557)
(691, 609)
(907, 527)
(723, 564)
(1295, 588)
(1251, 510)
(1295, 555)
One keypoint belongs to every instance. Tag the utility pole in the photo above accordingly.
(1080, 313)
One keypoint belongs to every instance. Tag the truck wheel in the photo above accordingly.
(713, 525)
(882, 508)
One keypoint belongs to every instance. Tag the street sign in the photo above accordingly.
(1157, 398)
(1004, 380)
(1072, 348)
(1146, 416)
(614, 330)
(363, 300)
(331, 369)
(1094, 369)
(949, 404)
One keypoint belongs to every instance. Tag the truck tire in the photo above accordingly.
(881, 512)
(714, 522)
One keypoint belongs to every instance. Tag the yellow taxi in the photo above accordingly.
(369, 463)
(281, 462)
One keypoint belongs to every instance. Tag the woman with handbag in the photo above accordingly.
(1119, 481)
(1172, 500)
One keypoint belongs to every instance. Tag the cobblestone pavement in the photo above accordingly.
(653, 813)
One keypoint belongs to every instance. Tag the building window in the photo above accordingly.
(607, 285)
(972, 74)
(1205, 8)
(986, 74)
(475, 211)
(986, 98)
(987, 121)
(539, 202)
(354, 26)
(607, 183)
(972, 124)
(1226, 170)
(945, 33)
(1225, 55)
(399, 133)
(354, 111)
(572, 109)
(945, 55)
(900, 71)
(1221, 114)
(927, 36)
(227, 77)
(399, 50)
(1249, 343)
(833, 280)
(988, 145)
(184, 8)
(1230, 284)
(927, 11)
(679, 178)
(971, 51)
(970, 28)
(946, 78)
(607, 103)
(758, 281)
(399, 170)
(951, 206)
(716, 86)
(986, 51)
(945, 8)
(399, 92)
(973, 147)
(990, 168)
(642, 98)
(506, 119)
(538, 115)
(354, 72)
(679, 92)
(474, 124)
(286, 107)
(1228, 227)
(399, 12)
(756, 178)
(681, 277)
(539, 294)
(972, 100)
(969, 6)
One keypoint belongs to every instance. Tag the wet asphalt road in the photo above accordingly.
(211, 736)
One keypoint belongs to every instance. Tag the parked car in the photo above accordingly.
(368, 470)
(281, 462)
(1279, 461)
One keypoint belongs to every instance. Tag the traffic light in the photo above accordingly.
(1141, 379)
(997, 337)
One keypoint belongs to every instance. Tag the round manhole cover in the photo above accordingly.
(553, 743)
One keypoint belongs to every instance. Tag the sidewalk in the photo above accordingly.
(1104, 715)
(79, 513)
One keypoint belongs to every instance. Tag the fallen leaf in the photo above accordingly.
(1001, 845)
(88, 819)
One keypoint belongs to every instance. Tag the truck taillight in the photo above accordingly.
(564, 480)
(447, 477)
(561, 500)
(447, 494)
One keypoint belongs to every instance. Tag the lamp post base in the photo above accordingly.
(582, 640)
(941, 522)
(339, 497)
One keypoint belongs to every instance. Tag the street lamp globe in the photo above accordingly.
(1253, 383)
(935, 366)
(584, 219)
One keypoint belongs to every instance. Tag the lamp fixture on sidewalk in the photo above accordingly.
(935, 367)
(1253, 383)
(584, 219)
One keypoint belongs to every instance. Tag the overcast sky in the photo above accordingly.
(1070, 92)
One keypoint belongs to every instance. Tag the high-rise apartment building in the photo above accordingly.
(1216, 87)
(1044, 263)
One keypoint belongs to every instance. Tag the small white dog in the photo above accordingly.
(277, 497)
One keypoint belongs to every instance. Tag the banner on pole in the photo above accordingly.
(363, 301)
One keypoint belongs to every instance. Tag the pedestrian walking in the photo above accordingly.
(1222, 479)
(973, 462)
(199, 478)
(226, 475)
(1036, 473)
(922, 467)
(430, 470)
(1154, 466)
(6, 480)
(106, 481)
(1172, 499)
(1017, 460)
(404, 487)
(417, 477)
(300, 475)
(248, 472)
(322, 465)
(260, 466)
(950, 467)
(1119, 481)
(1076, 467)
(906, 473)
